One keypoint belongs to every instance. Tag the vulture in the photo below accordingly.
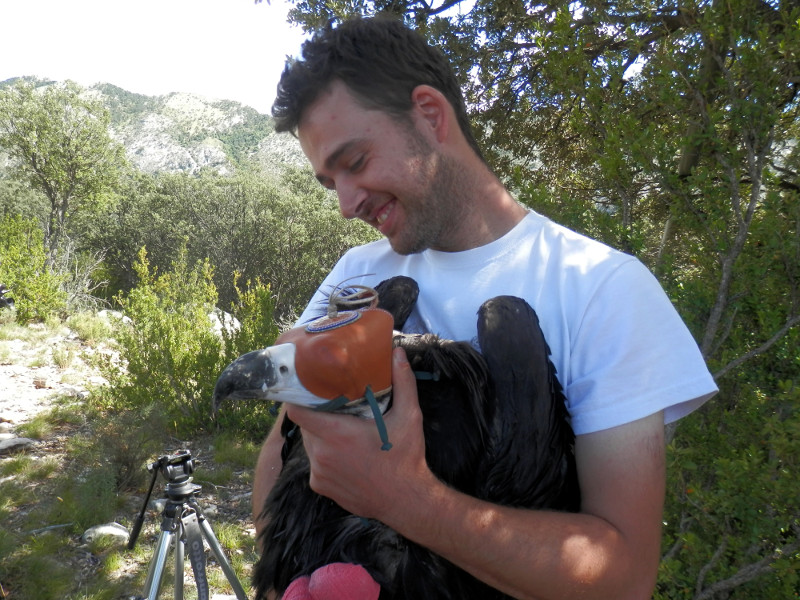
(495, 423)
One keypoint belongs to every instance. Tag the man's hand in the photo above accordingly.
(347, 463)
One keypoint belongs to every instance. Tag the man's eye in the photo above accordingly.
(357, 164)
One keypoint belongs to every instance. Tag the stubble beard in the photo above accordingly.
(434, 213)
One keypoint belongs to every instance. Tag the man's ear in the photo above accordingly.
(430, 105)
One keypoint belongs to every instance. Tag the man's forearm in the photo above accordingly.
(267, 471)
(560, 555)
(609, 550)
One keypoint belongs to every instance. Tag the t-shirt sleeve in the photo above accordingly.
(632, 356)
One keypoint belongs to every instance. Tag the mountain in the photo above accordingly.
(182, 132)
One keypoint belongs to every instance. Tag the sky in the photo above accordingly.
(223, 49)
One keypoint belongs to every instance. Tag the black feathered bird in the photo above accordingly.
(496, 427)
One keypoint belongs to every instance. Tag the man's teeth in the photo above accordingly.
(381, 217)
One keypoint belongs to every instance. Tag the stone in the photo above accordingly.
(110, 533)
(16, 444)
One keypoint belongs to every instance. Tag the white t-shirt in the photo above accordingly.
(620, 349)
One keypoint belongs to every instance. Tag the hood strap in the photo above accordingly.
(341, 401)
(426, 375)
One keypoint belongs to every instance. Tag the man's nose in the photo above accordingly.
(351, 199)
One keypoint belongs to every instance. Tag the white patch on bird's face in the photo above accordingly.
(287, 386)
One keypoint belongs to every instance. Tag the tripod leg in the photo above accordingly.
(156, 570)
(223, 562)
(179, 553)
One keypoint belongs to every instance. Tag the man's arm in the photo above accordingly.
(268, 468)
(608, 550)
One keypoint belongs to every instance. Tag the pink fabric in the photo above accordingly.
(336, 581)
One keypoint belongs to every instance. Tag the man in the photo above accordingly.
(381, 119)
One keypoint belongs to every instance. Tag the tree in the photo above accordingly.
(668, 130)
(59, 142)
(281, 229)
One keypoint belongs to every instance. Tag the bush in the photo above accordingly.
(732, 517)
(23, 268)
(171, 355)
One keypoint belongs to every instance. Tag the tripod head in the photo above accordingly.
(177, 470)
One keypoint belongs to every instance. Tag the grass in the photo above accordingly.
(46, 504)
(63, 357)
(6, 354)
(90, 327)
(89, 469)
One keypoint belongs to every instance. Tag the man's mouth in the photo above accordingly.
(384, 213)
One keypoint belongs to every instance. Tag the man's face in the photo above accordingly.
(385, 172)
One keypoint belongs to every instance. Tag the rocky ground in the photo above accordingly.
(30, 378)
(44, 365)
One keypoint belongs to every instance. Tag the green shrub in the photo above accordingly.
(732, 515)
(24, 270)
(254, 309)
(172, 356)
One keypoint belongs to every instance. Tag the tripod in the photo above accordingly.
(183, 524)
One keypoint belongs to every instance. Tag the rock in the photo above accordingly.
(7, 435)
(114, 316)
(5, 427)
(110, 533)
(71, 391)
(220, 320)
(16, 444)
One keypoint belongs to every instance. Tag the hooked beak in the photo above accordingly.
(266, 374)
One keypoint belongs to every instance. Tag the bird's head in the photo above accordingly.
(331, 363)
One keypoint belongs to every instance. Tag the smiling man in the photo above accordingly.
(382, 121)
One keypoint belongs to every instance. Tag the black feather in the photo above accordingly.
(495, 427)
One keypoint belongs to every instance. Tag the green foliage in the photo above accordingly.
(733, 511)
(24, 270)
(172, 355)
(286, 232)
(242, 140)
(17, 198)
(60, 144)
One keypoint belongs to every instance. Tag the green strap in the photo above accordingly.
(332, 405)
(376, 412)
(339, 402)
(426, 376)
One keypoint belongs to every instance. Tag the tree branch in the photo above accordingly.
(761, 349)
(745, 574)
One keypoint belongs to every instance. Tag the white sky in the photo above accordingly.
(225, 49)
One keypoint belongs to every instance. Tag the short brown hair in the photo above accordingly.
(380, 60)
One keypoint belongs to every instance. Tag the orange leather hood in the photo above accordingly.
(343, 354)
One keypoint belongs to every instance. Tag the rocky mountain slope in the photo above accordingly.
(182, 132)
